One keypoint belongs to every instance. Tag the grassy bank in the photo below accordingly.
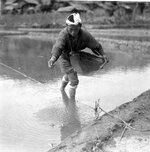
(43, 20)
(57, 20)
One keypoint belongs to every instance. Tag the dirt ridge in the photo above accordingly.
(101, 132)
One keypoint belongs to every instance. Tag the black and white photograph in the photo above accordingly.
(74, 76)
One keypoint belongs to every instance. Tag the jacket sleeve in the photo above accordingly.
(94, 45)
(59, 45)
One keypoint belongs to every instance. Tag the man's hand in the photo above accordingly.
(105, 58)
(51, 62)
(105, 61)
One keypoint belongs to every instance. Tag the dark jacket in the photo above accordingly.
(66, 45)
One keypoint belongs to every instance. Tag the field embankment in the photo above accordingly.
(128, 123)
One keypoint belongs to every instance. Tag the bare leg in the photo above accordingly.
(64, 82)
(73, 78)
(72, 93)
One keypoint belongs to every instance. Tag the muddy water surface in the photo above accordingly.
(32, 114)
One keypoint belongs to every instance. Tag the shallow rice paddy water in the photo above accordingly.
(33, 116)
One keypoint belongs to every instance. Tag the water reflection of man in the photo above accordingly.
(71, 40)
(71, 121)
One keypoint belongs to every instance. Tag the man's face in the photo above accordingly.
(74, 29)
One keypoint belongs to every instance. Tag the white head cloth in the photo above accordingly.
(73, 19)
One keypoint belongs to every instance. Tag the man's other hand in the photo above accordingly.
(105, 58)
(51, 62)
